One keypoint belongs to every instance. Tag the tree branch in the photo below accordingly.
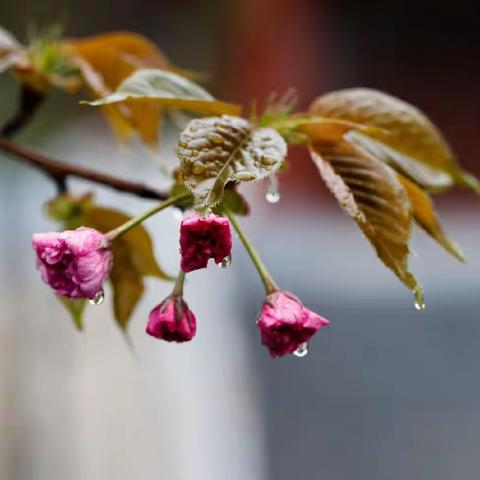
(59, 172)
(29, 101)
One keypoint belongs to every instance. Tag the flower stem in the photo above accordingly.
(178, 287)
(117, 232)
(270, 285)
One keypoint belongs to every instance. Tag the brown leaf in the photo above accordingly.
(425, 215)
(216, 150)
(133, 259)
(403, 136)
(370, 193)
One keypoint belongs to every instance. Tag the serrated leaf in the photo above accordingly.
(167, 89)
(75, 308)
(133, 259)
(370, 193)
(425, 215)
(404, 137)
(217, 150)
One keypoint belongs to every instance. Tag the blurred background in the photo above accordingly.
(385, 392)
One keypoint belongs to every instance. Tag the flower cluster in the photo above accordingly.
(75, 264)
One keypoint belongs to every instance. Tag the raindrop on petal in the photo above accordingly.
(98, 298)
(302, 350)
(226, 262)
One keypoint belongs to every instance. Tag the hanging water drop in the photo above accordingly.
(98, 298)
(420, 306)
(226, 262)
(302, 350)
(273, 192)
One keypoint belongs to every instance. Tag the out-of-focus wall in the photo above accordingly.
(385, 392)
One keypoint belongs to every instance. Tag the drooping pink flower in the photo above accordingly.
(202, 239)
(285, 323)
(74, 262)
(172, 320)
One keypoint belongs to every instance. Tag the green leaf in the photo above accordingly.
(403, 136)
(371, 194)
(217, 150)
(75, 308)
(235, 202)
(133, 259)
(169, 90)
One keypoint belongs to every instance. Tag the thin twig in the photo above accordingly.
(59, 172)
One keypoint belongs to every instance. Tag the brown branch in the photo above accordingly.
(59, 172)
(28, 103)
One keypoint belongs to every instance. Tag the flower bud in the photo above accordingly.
(202, 239)
(74, 262)
(285, 323)
(172, 320)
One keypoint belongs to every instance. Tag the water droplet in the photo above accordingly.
(273, 192)
(420, 305)
(302, 350)
(177, 214)
(226, 262)
(98, 298)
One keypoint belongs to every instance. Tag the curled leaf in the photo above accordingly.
(403, 136)
(167, 89)
(371, 194)
(217, 150)
(425, 215)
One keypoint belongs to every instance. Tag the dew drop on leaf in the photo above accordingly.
(98, 298)
(302, 350)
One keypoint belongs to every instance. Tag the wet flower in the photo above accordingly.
(202, 239)
(172, 320)
(285, 324)
(74, 262)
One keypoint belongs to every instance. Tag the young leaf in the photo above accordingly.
(403, 136)
(425, 215)
(167, 89)
(370, 192)
(133, 259)
(105, 62)
(75, 308)
(217, 150)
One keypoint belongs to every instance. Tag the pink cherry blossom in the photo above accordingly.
(74, 262)
(285, 323)
(172, 320)
(202, 239)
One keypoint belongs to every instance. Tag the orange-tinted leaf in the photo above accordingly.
(403, 136)
(370, 192)
(425, 215)
(106, 61)
(166, 90)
